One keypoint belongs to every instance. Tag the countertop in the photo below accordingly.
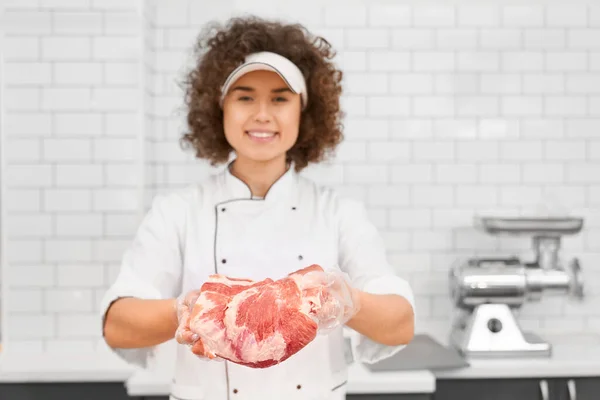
(576, 355)
(84, 367)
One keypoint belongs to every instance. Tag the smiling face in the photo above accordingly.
(261, 117)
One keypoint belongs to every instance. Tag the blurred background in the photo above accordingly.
(454, 110)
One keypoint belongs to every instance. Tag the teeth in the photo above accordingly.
(261, 134)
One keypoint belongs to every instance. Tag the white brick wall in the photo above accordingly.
(452, 110)
(71, 134)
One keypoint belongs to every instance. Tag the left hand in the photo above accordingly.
(332, 299)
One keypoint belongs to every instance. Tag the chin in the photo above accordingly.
(262, 155)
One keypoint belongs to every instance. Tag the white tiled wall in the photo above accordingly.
(149, 89)
(452, 110)
(72, 136)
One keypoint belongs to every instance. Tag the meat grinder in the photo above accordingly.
(487, 291)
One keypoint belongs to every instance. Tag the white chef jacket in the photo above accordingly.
(218, 227)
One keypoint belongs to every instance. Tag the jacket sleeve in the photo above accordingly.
(151, 267)
(362, 255)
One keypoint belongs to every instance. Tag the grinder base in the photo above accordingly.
(491, 331)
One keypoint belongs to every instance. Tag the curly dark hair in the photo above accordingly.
(220, 48)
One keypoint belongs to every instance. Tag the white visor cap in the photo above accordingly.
(287, 70)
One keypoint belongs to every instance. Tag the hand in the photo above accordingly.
(333, 301)
(183, 308)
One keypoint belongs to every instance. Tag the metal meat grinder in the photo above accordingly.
(486, 291)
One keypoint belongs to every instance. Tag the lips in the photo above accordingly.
(262, 136)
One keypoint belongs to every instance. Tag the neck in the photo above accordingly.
(258, 175)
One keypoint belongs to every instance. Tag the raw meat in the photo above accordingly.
(258, 324)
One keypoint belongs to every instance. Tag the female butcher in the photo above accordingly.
(264, 101)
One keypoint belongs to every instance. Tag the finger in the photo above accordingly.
(181, 337)
(198, 348)
(188, 336)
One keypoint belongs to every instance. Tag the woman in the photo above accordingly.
(269, 94)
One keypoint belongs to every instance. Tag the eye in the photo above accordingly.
(280, 99)
(245, 98)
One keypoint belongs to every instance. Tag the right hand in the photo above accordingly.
(183, 308)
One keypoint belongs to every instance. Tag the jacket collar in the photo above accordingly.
(236, 189)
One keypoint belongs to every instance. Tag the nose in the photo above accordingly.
(263, 112)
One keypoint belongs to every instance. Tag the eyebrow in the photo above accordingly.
(243, 89)
(281, 90)
(250, 89)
